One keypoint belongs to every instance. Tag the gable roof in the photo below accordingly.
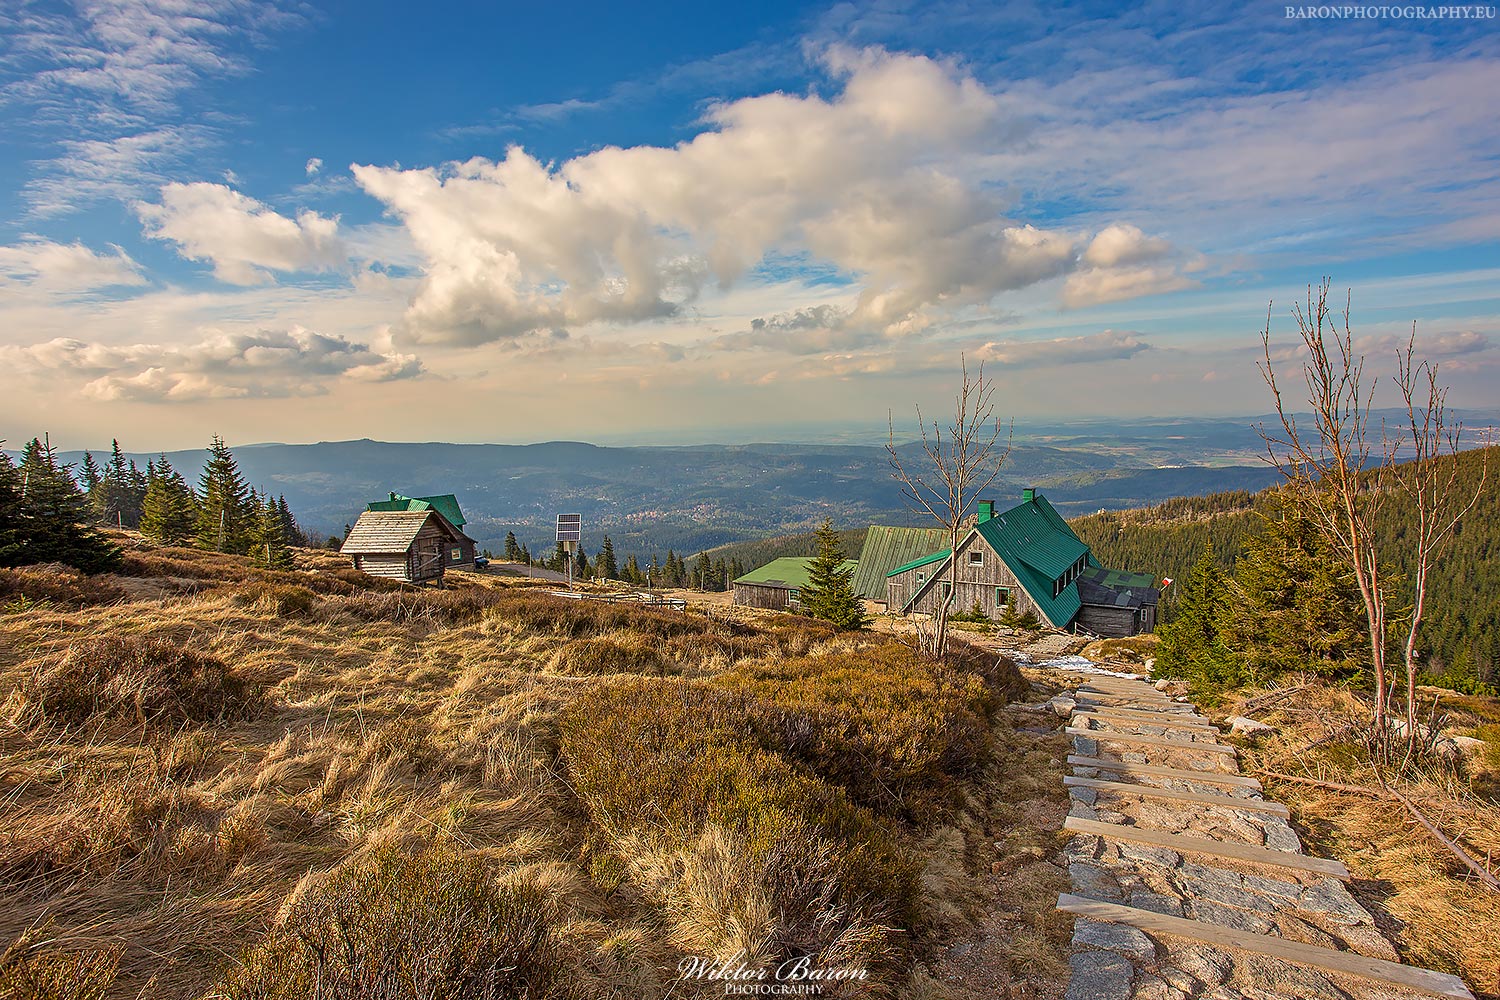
(923, 561)
(444, 503)
(391, 532)
(886, 548)
(1038, 546)
(788, 572)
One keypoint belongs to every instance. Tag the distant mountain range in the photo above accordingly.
(651, 499)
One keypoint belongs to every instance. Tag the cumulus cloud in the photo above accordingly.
(314, 164)
(262, 364)
(1123, 244)
(65, 268)
(1107, 345)
(1111, 284)
(243, 238)
(863, 179)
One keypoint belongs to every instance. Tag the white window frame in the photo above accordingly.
(976, 557)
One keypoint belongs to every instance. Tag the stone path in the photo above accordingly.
(1163, 917)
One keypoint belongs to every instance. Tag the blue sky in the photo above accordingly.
(304, 222)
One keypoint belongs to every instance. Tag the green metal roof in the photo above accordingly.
(935, 557)
(445, 504)
(790, 572)
(1038, 546)
(885, 549)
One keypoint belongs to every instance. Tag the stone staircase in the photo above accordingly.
(1188, 883)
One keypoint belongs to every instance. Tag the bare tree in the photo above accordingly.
(1325, 466)
(1429, 487)
(957, 466)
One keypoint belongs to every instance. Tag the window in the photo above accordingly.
(921, 577)
(794, 596)
(947, 590)
(976, 557)
(457, 554)
(1002, 596)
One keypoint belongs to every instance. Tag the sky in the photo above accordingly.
(672, 222)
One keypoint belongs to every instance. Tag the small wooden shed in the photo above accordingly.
(778, 584)
(410, 546)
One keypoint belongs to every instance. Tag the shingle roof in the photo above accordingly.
(886, 548)
(790, 572)
(390, 532)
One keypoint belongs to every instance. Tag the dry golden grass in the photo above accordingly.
(153, 850)
(1434, 911)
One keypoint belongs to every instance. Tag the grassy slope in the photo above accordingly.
(432, 722)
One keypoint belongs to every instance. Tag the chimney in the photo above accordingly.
(1028, 494)
(986, 510)
(393, 496)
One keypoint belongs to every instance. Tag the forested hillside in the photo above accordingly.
(763, 550)
(1462, 627)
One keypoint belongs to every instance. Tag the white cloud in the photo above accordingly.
(110, 75)
(1108, 345)
(1111, 284)
(1123, 244)
(119, 168)
(262, 364)
(314, 164)
(241, 237)
(862, 180)
(43, 265)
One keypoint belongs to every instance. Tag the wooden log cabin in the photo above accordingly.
(460, 554)
(1027, 557)
(410, 546)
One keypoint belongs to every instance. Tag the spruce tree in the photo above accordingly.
(829, 593)
(224, 515)
(721, 574)
(169, 513)
(632, 573)
(605, 564)
(135, 497)
(1197, 645)
(90, 477)
(53, 515)
(270, 547)
(702, 571)
(512, 548)
(12, 523)
(1302, 609)
(291, 531)
(580, 564)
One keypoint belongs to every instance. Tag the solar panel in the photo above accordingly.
(569, 527)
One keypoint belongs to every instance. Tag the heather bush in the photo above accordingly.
(543, 614)
(140, 679)
(620, 653)
(281, 600)
(410, 605)
(31, 973)
(675, 771)
(54, 584)
(390, 924)
(891, 726)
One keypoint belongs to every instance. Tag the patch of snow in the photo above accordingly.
(1083, 665)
